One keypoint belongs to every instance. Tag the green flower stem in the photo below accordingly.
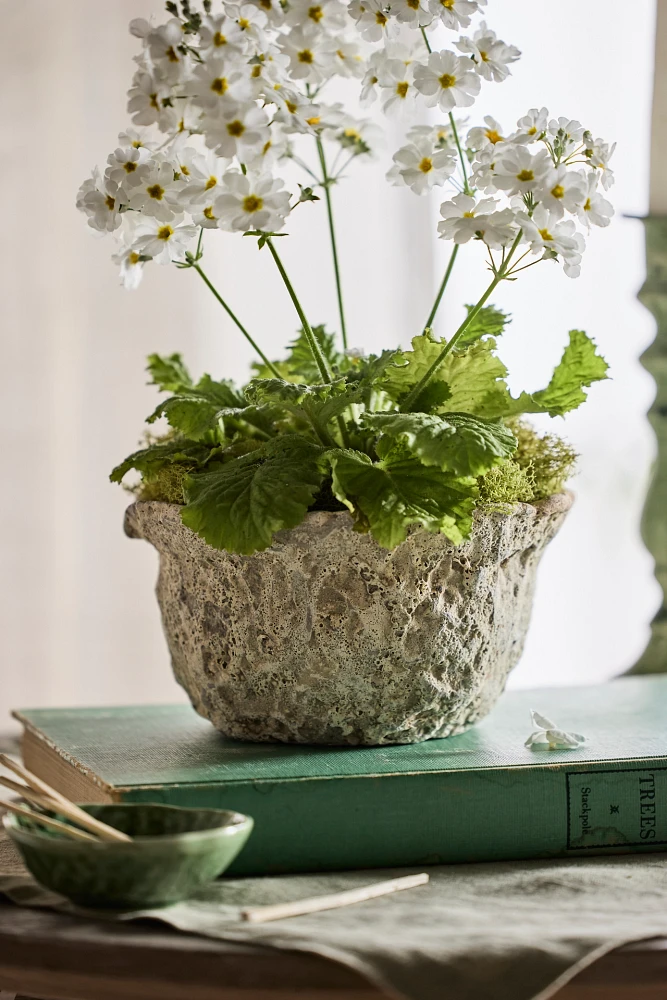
(466, 187)
(326, 184)
(315, 348)
(441, 290)
(269, 364)
(503, 271)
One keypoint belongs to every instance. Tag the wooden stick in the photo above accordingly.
(54, 824)
(63, 805)
(26, 793)
(278, 911)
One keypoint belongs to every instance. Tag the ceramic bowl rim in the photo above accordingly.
(238, 825)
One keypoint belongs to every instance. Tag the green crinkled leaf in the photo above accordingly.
(252, 418)
(580, 366)
(458, 443)
(488, 321)
(149, 460)
(408, 367)
(476, 380)
(168, 374)
(319, 404)
(392, 495)
(193, 411)
(241, 504)
(300, 365)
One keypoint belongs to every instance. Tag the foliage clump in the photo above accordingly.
(540, 467)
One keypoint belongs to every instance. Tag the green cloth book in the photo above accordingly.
(480, 796)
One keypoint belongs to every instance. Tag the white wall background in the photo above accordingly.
(79, 623)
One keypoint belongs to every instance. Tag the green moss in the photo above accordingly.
(539, 468)
(166, 485)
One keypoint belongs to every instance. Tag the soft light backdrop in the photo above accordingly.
(79, 620)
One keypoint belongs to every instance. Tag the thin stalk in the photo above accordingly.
(466, 187)
(274, 371)
(315, 348)
(502, 273)
(326, 184)
(441, 290)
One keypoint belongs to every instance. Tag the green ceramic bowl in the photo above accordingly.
(176, 851)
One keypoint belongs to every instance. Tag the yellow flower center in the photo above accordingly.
(185, 170)
(351, 133)
(545, 234)
(133, 258)
(137, 144)
(153, 101)
(110, 203)
(413, 4)
(210, 183)
(236, 128)
(468, 215)
(402, 88)
(305, 56)
(380, 18)
(291, 107)
(525, 175)
(587, 205)
(251, 203)
(447, 80)
(558, 191)
(155, 191)
(208, 212)
(244, 24)
(219, 85)
(493, 136)
(181, 125)
(426, 165)
(266, 147)
(448, 4)
(315, 13)
(313, 121)
(219, 39)
(532, 130)
(165, 233)
(171, 54)
(266, 4)
(483, 56)
(129, 166)
(340, 54)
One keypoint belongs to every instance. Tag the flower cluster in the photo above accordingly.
(223, 99)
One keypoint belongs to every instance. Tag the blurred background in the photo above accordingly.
(79, 621)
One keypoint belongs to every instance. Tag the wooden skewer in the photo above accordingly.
(54, 824)
(63, 805)
(278, 911)
(26, 793)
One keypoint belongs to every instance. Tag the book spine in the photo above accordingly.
(495, 814)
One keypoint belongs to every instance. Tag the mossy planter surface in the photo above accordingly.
(328, 638)
(175, 852)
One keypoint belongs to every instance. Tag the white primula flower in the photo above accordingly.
(421, 165)
(372, 19)
(126, 166)
(252, 21)
(357, 135)
(565, 133)
(272, 9)
(544, 232)
(517, 170)
(131, 266)
(562, 190)
(447, 81)
(221, 36)
(371, 79)
(491, 55)
(98, 199)
(328, 15)
(217, 85)
(145, 101)
(485, 135)
(240, 132)
(165, 48)
(164, 242)
(137, 138)
(598, 154)
(595, 210)
(531, 126)
(205, 174)
(398, 93)
(545, 732)
(157, 192)
(310, 54)
(275, 149)
(455, 14)
(439, 135)
(412, 12)
(252, 202)
(297, 113)
(463, 217)
(483, 167)
(348, 59)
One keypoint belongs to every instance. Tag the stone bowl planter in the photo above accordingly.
(328, 638)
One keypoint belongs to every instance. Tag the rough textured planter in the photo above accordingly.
(328, 638)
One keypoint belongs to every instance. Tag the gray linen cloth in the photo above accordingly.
(510, 931)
